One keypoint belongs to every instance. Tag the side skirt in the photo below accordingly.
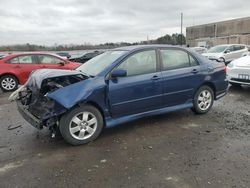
(110, 122)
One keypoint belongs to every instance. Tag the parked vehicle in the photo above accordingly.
(16, 68)
(64, 54)
(239, 71)
(226, 53)
(118, 86)
(246, 53)
(199, 50)
(86, 57)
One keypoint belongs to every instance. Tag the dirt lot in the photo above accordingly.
(174, 150)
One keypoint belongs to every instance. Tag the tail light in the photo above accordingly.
(225, 68)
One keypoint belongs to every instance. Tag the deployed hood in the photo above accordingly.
(37, 77)
(242, 62)
(43, 81)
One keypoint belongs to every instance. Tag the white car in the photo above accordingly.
(238, 71)
(248, 52)
(199, 50)
(226, 53)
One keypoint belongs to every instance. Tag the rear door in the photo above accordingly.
(141, 89)
(240, 50)
(24, 65)
(181, 76)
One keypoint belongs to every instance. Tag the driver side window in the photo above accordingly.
(230, 48)
(46, 59)
(140, 63)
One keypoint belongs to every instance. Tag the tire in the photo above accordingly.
(203, 100)
(81, 125)
(8, 83)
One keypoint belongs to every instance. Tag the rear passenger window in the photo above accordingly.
(26, 59)
(242, 47)
(238, 47)
(14, 60)
(175, 59)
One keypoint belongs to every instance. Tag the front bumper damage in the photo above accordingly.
(30, 118)
(42, 113)
(33, 102)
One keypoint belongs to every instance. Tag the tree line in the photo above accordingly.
(174, 39)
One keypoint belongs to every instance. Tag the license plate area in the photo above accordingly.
(244, 76)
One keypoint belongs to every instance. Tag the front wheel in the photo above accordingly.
(81, 125)
(203, 100)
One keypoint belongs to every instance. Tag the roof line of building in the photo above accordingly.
(219, 22)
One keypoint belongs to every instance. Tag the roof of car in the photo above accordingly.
(138, 47)
(30, 53)
(230, 44)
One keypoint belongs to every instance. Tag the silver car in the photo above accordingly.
(238, 71)
(226, 53)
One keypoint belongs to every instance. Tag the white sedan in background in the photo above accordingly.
(226, 53)
(238, 71)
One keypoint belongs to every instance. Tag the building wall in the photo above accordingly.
(225, 32)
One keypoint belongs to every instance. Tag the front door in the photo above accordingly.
(51, 62)
(140, 90)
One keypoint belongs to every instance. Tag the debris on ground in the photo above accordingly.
(103, 161)
(10, 127)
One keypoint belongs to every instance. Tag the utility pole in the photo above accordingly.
(181, 26)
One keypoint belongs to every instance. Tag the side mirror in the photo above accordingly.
(220, 60)
(227, 51)
(118, 73)
(62, 63)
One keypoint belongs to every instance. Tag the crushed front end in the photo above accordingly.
(32, 100)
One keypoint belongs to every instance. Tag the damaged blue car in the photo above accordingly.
(118, 86)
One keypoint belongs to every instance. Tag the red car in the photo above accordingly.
(16, 68)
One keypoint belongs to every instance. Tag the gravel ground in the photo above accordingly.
(178, 149)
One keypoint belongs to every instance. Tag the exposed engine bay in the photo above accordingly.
(52, 84)
(33, 95)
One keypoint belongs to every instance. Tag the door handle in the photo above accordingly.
(155, 77)
(194, 71)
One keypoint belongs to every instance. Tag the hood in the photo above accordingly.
(37, 77)
(212, 55)
(242, 62)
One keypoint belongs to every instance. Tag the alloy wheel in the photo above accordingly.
(204, 100)
(83, 125)
(8, 83)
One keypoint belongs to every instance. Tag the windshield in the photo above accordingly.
(217, 49)
(100, 62)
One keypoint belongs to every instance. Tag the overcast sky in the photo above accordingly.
(47, 22)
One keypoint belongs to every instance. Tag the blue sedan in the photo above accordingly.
(119, 86)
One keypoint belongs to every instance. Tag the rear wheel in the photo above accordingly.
(81, 125)
(203, 100)
(8, 83)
